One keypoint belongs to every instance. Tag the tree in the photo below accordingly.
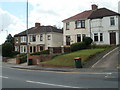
(9, 38)
(7, 49)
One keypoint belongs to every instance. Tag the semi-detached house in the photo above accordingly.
(39, 38)
(101, 24)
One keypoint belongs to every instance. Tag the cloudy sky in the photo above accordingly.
(47, 12)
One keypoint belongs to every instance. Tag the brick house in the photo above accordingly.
(39, 38)
(101, 24)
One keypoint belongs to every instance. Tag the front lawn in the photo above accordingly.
(68, 59)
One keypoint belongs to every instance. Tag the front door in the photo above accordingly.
(113, 38)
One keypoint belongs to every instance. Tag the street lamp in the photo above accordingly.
(27, 32)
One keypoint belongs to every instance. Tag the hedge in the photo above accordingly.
(42, 52)
(78, 46)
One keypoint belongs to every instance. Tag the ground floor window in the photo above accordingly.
(67, 40)
(95, 37)
(78, 37)
(30, 49)
(41, 48)
(34, 49)
(101, 37)
(23, 49)
(16, 48)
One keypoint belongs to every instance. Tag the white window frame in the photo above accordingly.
(67, 25)
(80, 24)
(31, 37)
(23, 39)
(41, 37)
(23, 49)
(16, 48)
(48, 37)
(96, 34)
(112, 21)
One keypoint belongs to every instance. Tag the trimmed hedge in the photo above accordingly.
(42, 52)
(78, 46)
(100, 46)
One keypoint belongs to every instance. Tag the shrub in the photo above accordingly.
(14, 53)
(78, 46)
(23, 59)
(87, 40)
(42, 52)
(7, 49)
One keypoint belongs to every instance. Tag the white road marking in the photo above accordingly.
(104, 56)
(51, 84)
(109, 52)
(3, 77)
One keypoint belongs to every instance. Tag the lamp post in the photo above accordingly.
(27, 33)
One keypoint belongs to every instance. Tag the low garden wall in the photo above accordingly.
(36, 59)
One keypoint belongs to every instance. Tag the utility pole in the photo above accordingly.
(27, 33)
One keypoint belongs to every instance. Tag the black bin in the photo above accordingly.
(78, 63)
(30, 62)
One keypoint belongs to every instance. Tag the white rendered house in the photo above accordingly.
(101, 24)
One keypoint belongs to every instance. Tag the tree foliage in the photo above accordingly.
(9, 38)
(7, 49)
(87, 40)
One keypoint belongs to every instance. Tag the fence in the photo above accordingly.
(57, 50)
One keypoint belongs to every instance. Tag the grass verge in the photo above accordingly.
(68, 59)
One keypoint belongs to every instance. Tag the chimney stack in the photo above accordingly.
(37, 24)
(94, 7)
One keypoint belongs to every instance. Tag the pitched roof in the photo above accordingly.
(41, 29)
(102, 12)
(92, 14)
(83, 15)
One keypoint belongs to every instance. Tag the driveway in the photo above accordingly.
(109, 60)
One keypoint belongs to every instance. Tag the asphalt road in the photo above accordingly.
(110, 60)
(16, 78)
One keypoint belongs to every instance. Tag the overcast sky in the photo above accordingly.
(47, 12)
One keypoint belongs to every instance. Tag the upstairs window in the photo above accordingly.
(112, 21)
(80, 24)
(23, 39)
(16, 40)
(49, 37)
(41, 37)
(32, 38)
(67, 26)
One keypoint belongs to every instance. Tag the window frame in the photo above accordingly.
(80, 24)
(79, 36)
(48, 37)
(32, 38)
(96, 37)
(68, 26)
(41, 37)
(112, 21)
(23, 39)
(68, 41)
(101, 37)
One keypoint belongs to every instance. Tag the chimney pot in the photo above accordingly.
(37, 24)
(94, 7)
